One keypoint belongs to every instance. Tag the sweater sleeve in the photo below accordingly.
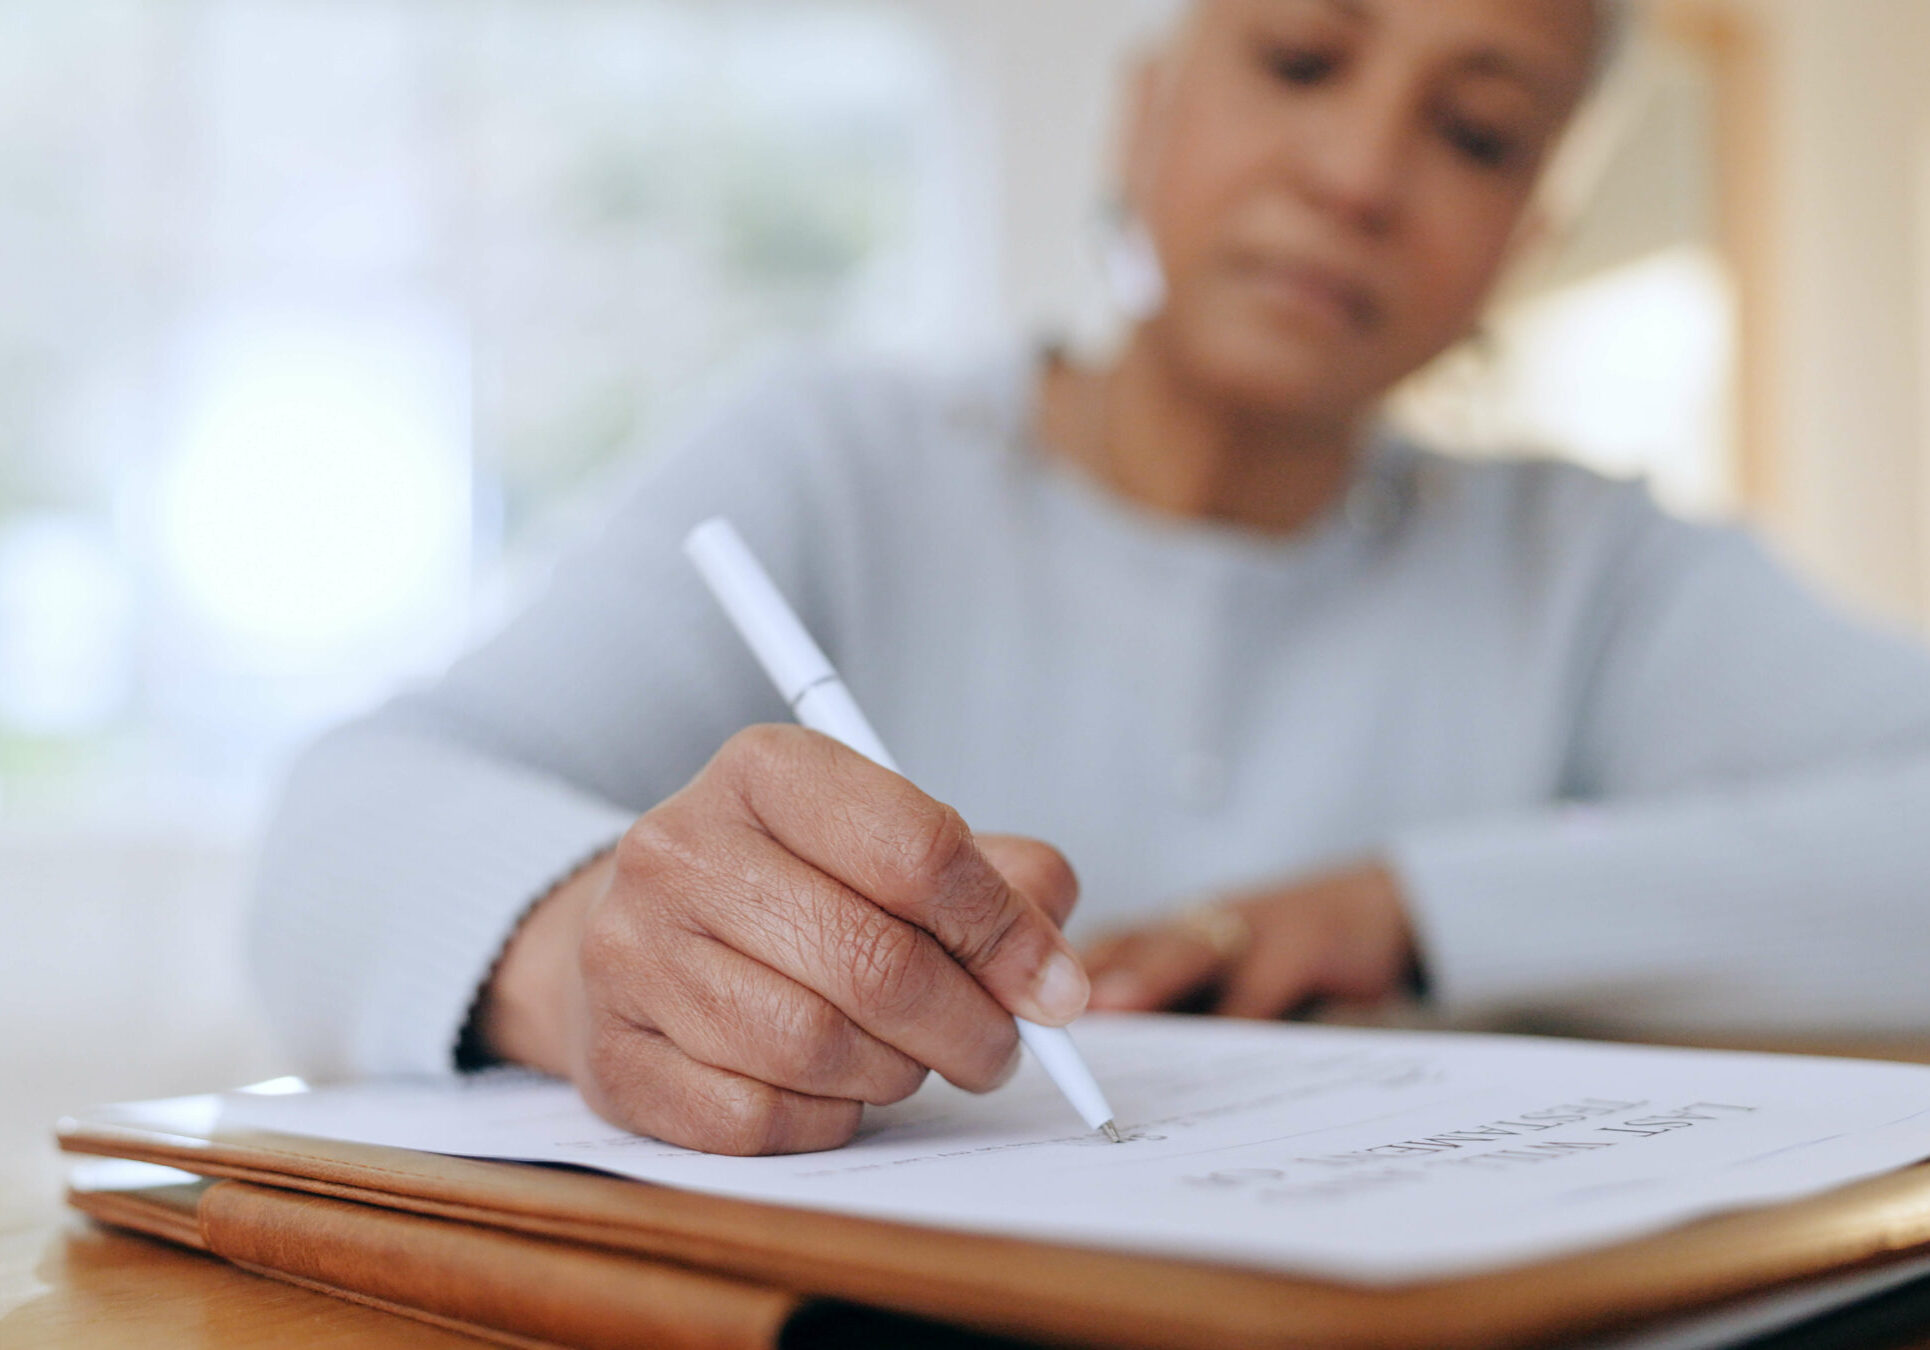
(1746, 839)
(409, 843)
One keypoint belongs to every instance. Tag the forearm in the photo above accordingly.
(394, 867)
(1794, 902)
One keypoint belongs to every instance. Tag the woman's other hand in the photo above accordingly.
(1341, 936)
(794, 935)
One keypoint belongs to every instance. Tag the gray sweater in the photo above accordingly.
(1625, 767)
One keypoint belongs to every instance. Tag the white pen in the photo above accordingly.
(806, 681)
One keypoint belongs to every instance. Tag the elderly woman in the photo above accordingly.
(1502, 733)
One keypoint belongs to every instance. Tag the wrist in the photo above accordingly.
(525, 1013)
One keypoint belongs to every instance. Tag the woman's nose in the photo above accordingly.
(1356, 163)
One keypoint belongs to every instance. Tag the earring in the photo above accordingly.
(1131, 262)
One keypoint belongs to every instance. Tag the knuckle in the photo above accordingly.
(611, 947)
(708, 1004)
(982, 1069)
(603, 1054)
(757, 750)
(817, 1041)
(935, 847)
(897, 1082)
(614, 1075)
(988, 921)
(617, 1107)
(890, 981)
(746, 1118)
(603, 950)
(657, 842)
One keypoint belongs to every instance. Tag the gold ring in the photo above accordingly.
(1224, 930)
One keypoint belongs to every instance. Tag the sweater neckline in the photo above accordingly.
(1374, 502)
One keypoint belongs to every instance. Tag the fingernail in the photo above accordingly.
(1063, 989)
(1118, 989)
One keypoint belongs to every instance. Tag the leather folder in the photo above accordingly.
(495, 1284)
(552, 1256)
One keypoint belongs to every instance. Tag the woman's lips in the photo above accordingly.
(1293, 284)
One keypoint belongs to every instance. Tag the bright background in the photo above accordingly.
(323, 322)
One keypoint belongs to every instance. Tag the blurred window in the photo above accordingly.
(315, 313)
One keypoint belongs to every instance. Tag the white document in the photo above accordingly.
(1360, 1155)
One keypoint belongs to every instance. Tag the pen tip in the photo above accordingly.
(1111, 1131)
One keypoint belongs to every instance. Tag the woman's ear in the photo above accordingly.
(1130, 258)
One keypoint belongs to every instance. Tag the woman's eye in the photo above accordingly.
(1484, 146)
(1300, 66)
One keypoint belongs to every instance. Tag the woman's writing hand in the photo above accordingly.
(795, 934)
(1340, 936)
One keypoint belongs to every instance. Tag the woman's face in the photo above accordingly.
(1334, 185)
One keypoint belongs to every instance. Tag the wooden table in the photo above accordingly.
(69, 1284)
